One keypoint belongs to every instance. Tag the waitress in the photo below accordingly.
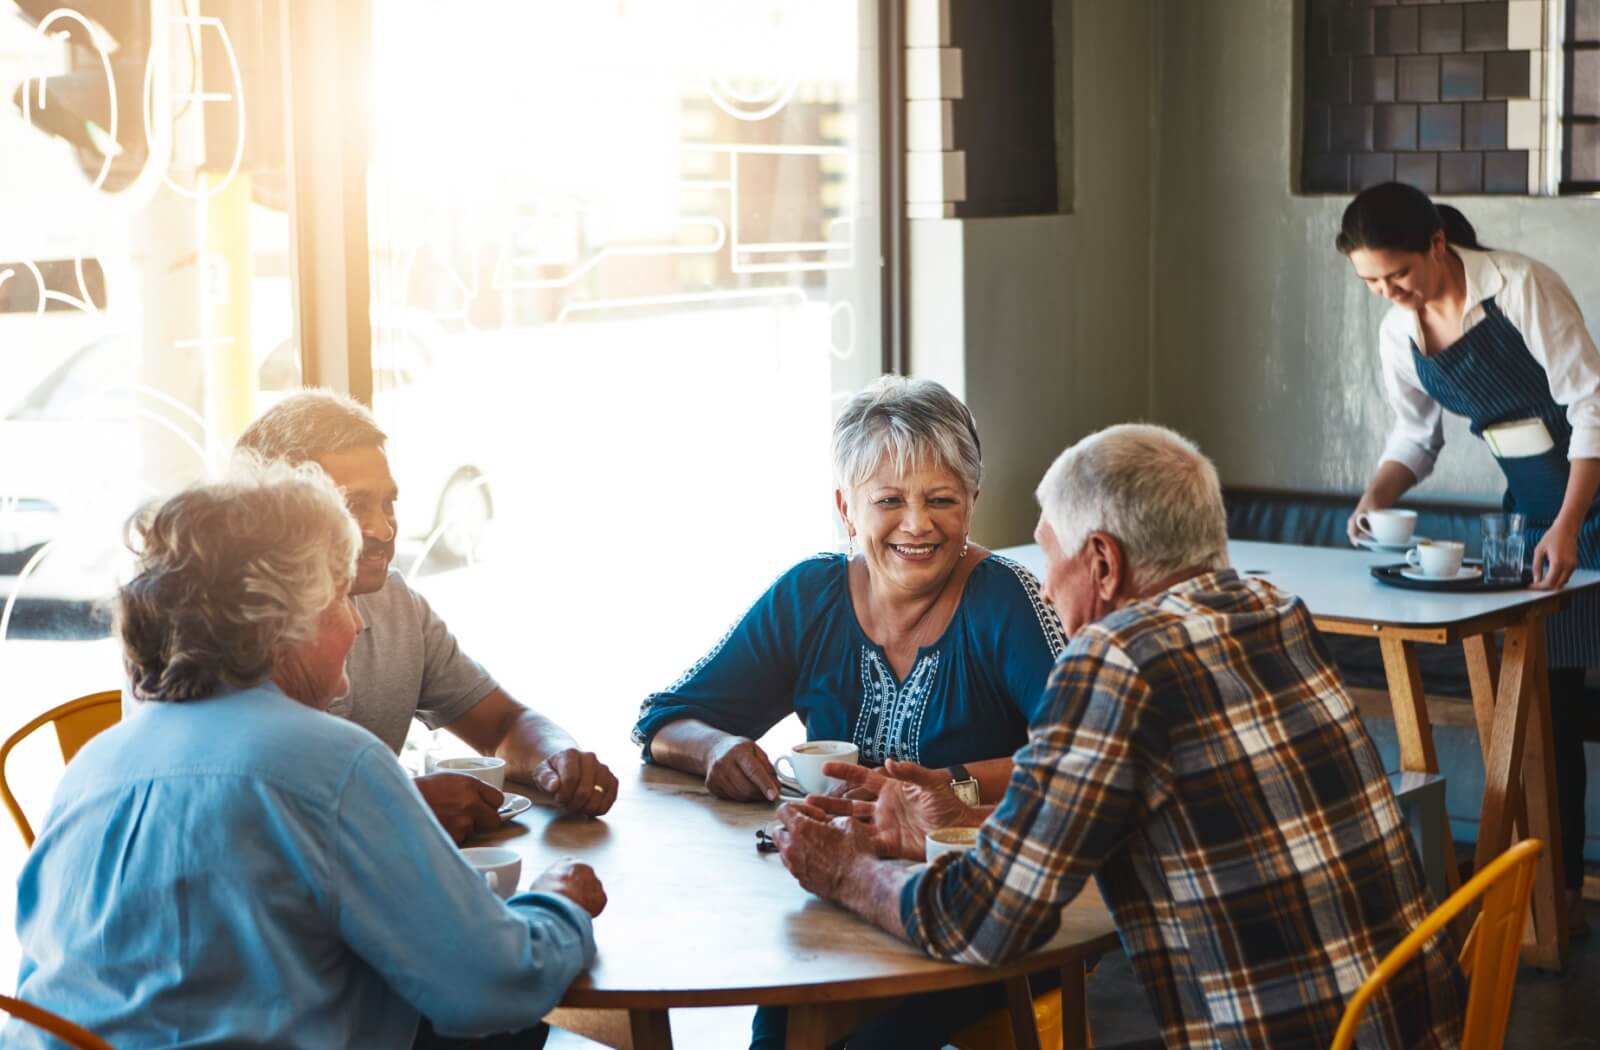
(1497, 338)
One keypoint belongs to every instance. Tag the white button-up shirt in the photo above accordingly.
(1539, 305)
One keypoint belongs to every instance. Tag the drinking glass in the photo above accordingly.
(1502, 546)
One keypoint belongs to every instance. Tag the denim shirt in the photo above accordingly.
(246, 871)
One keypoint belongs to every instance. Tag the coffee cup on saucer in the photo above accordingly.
(949, 840)
(1437, 558)
(1392, 528)
(806, 760)
(487, 768)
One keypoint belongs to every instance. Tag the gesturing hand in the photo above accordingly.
(737, 769)
(911, 800)
(461, 804)
(575, 881)
(817, 850)
(578, 781)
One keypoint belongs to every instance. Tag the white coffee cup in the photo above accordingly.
(806, 761)
(501, 868)
(490, 770)
(1389, 527)
(950, 840)
(1441, 558)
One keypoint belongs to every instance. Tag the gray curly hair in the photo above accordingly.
(231, 575)
(908, 422)
(309, 424)
(1147, 486)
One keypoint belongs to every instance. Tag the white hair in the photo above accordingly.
(909, 423)
(232, 575)
(1149, 488)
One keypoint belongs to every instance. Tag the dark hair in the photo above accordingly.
(1394, 216)
(309, 424)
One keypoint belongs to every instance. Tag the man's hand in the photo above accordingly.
(578, 781)
(819, 852)
(461, 804)
(737, 769)
(912, 800)
(575, 881)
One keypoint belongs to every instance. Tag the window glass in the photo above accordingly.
(144, 278)
(625, 266)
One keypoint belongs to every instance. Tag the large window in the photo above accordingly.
(144, 284)
(625, 264)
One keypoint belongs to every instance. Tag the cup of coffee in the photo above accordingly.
(806, 761)
(950, 840)
(1441, 558)
(490, 770)
(500, 868)
(1391, 528)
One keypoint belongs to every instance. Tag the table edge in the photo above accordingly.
(949, 975)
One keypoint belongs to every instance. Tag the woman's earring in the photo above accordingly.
(849, 546)
(964, 544)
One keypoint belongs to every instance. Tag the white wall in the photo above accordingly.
(1265, 344)
(1042, 322)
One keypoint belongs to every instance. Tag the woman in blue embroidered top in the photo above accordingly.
(919, 645)
(1495, 337)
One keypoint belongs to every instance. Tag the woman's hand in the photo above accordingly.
(737, 769)
(1556, 556)
(1351, 529)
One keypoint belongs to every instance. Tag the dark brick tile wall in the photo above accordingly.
(1416, 90)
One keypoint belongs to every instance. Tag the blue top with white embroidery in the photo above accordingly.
(800, 649)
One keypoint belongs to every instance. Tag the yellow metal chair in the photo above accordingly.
(60, 1027)
(1489, 957)
(993, 1032)
(76, 722)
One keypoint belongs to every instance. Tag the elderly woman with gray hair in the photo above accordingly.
(917, 644)
(232, 866)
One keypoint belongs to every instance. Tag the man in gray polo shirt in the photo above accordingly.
(406, 664)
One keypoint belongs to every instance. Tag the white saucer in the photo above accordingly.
(1390, 548)
(514, 804)
(1466, 572)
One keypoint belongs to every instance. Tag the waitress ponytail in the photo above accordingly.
(1394, 216)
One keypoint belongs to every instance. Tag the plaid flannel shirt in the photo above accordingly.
(1199, 756)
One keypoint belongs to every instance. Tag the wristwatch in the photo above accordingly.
(964, 785)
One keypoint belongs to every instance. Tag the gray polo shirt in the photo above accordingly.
(406, 665)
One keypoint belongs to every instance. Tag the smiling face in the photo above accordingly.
(1408, 279)
(362, 474)
(911, 527)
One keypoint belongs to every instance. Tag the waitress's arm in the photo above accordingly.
(1392, 481)
(1557, 553)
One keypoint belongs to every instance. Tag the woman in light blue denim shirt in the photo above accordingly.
(233, 867)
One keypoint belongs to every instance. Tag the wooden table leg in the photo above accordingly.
(1549, 950)
(1019, 1005)
(622, 1029)
(1412, 725)
(1521, 709)
(1074, 1008)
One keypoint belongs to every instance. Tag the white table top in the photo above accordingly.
(1337, 583)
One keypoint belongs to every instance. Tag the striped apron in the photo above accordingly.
(1489, 377)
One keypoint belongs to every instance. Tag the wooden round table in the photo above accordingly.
(698, 917)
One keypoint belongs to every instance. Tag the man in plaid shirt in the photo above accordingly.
(1198, 755)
